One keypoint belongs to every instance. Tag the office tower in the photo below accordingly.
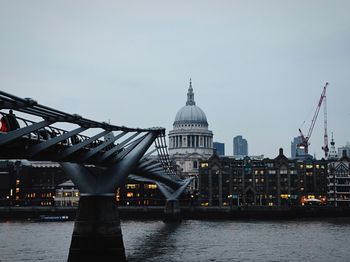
(220, 148)
(240, 146)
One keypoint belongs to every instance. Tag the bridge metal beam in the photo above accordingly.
(172, 206)
(128, 149)
(146, 162)
(97, 149)
(112, 177)
(118, 172)
(116, 148)
(45, 145)
(74, 148)
(151, 167)
(159, 176)
(15, 134)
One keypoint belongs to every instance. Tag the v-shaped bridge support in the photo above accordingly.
(97, 233)
(172, 208)
(172, 211)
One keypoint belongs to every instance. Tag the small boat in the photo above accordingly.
(48, 218)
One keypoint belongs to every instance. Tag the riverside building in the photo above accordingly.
(339, 181)
(190, 141)
(269, 182)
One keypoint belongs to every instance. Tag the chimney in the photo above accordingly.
(281, 152)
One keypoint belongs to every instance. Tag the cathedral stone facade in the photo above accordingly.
(190, 141)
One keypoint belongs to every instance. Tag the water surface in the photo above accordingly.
(192, 240)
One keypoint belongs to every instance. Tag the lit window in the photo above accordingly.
(130, 194)
(203, 165)
(152, 186)
(285, 196)
(17, 182)
(130, 186)
(17, 190)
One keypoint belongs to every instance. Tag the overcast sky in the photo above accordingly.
(257, 67)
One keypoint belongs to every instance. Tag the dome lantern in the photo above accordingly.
(190, 113)
(190, 96)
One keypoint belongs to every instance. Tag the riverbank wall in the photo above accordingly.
(156, 212)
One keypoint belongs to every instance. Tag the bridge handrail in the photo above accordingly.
(28, 105)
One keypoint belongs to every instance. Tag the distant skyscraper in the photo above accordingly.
(295, 151)
(346, 148)
(220, 148)
(240, 146)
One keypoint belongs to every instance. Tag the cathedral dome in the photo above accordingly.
(190, 113)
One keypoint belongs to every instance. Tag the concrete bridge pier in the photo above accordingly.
(97, 235)
(172, 211)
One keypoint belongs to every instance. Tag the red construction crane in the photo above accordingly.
(305, 139)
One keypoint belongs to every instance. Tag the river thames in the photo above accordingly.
(192, 240)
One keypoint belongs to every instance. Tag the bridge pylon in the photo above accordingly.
(97, 233)
(172, 212)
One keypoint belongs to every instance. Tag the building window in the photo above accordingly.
(203, 165)
(152, 186)
(195, 164)
(130, 186)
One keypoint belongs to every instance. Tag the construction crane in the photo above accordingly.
(304, 144)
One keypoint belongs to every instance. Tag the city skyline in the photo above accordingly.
(257, 69)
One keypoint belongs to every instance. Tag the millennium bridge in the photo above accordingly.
(117, 152)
